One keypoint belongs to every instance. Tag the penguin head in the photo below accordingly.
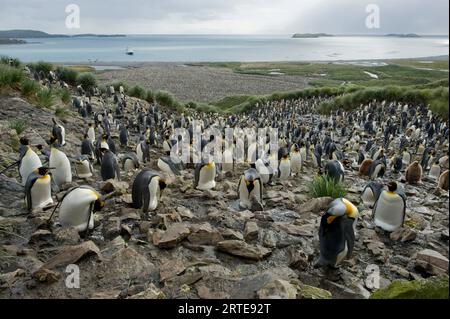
(24, 141)
(392, 187)
(43, 171)
(99, 204)
(162, 184)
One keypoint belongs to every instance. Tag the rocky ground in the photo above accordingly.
(201, 83)
(199, 244)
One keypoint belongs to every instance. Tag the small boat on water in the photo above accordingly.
(129, 51)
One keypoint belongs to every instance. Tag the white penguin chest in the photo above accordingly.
(41, 193)
(389, 212)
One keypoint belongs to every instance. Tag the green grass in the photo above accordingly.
(119, 84)
(323, 186)
(19, 125)
(61, 112)
(138, 92)
(436, 98)
(29, 88)
(150, 97)
(45, 98)
(65, 96)
(68, 75)
(10, 61)
(45, 67)
(10, 76)
(167, 99)
(87, 80)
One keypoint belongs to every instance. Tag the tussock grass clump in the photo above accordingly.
(166, 99)
(117, 85)
(138, 92)
(45, 67)
(10, 76)
(87, 81)
(68, 75)
(14, 62)
(61, 112)
(19, 125)
(324, 186)
(45, 98)
(66, 98)
(29, 88)
(150, 98)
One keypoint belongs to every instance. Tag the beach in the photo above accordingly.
(200, 83)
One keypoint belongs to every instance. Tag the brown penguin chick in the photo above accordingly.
(443, 181)
(414, 173)
(365, 167)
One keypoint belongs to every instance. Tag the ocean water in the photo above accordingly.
(172, 48)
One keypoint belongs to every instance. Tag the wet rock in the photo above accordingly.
(269, 239)
(204, 234)
(127, 264)
(127, 214)
(211, 194)
(150, 293)
(185, 212)
(431, 288)
(400, 271)
(72, 254)
(67, 235)
(431, 262)
(110, 294)
(206, 293)
(315, 205)
(7, 280)
(175, 234)
(246, 215)
(242, 249)
(171, 269)
(277, 289)
(310, 292)
(127, 199)
(112, 185)
(251, 231)
(231, 234)
(247, 287)
(403, 234)
(111, 228)
(444, 234)
(41, 235)
(298, 259)
(291, 229)
(46, 275)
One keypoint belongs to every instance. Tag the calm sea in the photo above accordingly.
(154, 48)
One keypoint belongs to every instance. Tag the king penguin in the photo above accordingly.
(335, 170)
(130, 162)
(443, 181)
(414, 173)
(265, 170)
(296, 159)
(110, 168)
(147, 188)
(205, 174)
(336, 233)
(83, 167)
(250, 187)
(284, 166)
(29, 160)
(59, 163)
(389, 210)
(38, 192)
(168, 166)
(371, 193)
(78, 206)
(59, 132)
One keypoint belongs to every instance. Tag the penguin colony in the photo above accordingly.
(404, 147)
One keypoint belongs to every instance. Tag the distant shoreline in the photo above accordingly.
(124, 64)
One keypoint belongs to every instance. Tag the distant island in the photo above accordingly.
(310, 35)
(33, 34)
(11, 41)
(401, 35)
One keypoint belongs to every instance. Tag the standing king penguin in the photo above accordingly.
(147, 188)
(38, 189)
(389, 210)
(250, 186)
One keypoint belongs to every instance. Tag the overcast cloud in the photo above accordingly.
(227, 16)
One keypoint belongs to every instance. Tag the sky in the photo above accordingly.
(227, 16)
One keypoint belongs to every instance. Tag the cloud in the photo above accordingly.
(227, 16)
